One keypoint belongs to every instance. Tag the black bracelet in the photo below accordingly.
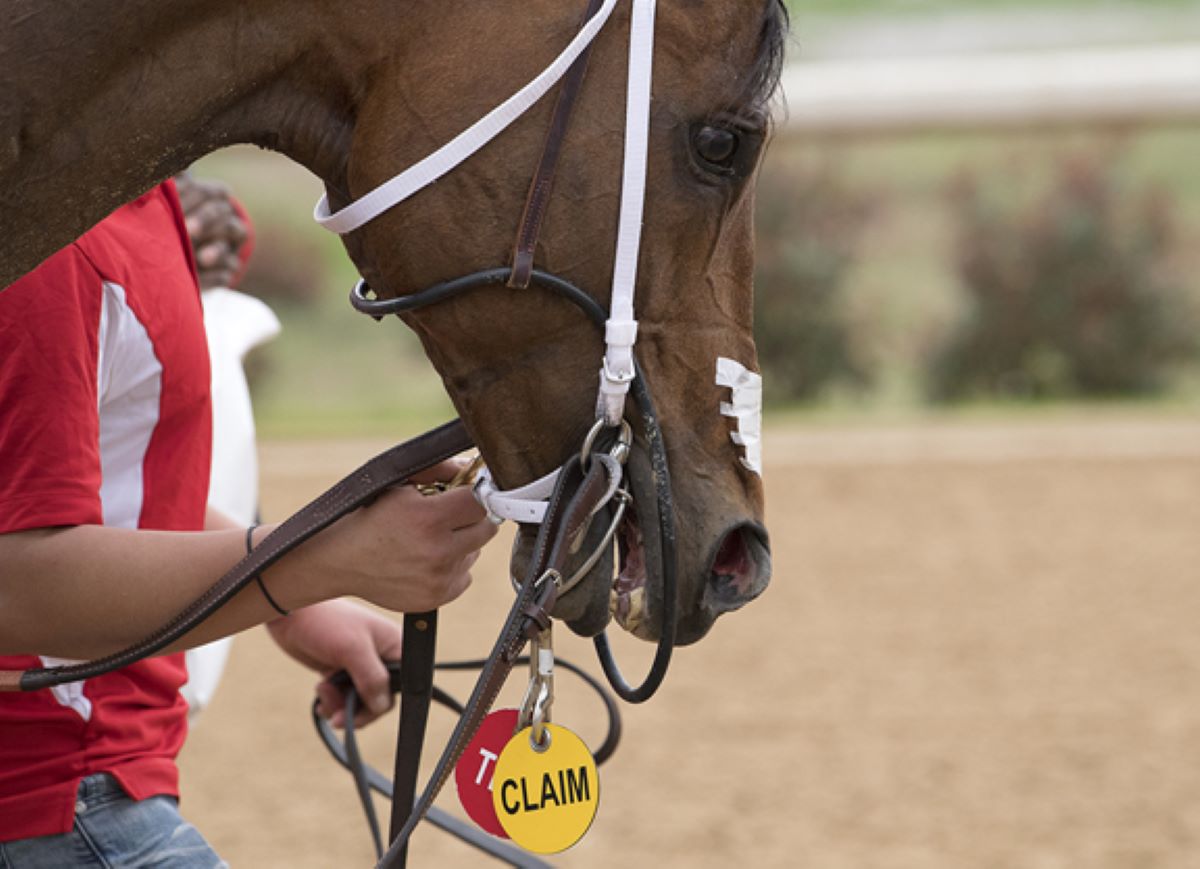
(258, 576)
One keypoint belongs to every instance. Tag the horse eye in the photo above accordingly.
(716, 146)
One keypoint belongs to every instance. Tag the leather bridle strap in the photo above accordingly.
(543, 179)
(417, 660)
(571, 509)
(391, 468)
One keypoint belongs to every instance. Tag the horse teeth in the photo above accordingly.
(629, 609)
(637, 609)
(627, 598)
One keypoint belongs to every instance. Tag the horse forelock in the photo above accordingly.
(762, 82)
(757, 66)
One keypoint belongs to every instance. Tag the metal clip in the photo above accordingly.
(619, 450)
(465, 476)
(539, 696)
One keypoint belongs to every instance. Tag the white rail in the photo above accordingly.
(1151, 84)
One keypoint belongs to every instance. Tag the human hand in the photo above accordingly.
(341, 635)
(216, 229)
(406, 552)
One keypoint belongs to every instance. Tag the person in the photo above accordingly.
(235, 323)
(105, 535)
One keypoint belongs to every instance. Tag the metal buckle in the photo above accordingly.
(621, 379)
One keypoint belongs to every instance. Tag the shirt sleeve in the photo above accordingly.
(50, 470)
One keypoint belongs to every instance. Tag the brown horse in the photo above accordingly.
(102, 100)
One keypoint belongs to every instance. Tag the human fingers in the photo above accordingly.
(331, 703)
(459, 580)
(371, 682)
(216, 220)
(454, 509)
(187, 187)
(195, 191)
(213, 254)
(475, 536)
(217, 265)
(443, 472)
(218, 258)
(376, 699)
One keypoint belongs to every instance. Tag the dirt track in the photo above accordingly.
(979, 650)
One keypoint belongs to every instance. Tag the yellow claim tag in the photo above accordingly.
(546, 799)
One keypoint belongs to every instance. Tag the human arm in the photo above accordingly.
(343, 635)
(336, 635)
(87, 591)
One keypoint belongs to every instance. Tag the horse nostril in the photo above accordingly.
(740, 570)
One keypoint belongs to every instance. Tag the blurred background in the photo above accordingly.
(966, 204)
(978, 307)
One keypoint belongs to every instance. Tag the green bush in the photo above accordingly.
(809, 227)
(1068, 293)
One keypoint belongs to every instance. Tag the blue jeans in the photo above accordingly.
(113, 831)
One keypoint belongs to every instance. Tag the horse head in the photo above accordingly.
(521, 364)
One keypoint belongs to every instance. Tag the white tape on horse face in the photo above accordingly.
(745, 407)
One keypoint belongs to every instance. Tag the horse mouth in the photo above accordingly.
(627, 600)
(623, 586)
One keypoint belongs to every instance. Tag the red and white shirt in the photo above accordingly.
(104, 420)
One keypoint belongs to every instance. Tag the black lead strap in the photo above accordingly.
(416, 693)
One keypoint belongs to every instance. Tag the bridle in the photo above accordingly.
(567, 500)
(620, 372)
(617, 372)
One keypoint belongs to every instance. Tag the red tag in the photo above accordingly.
(475, 769)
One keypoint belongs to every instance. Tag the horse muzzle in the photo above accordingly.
(740, 569)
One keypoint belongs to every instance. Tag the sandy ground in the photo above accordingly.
(979, 650)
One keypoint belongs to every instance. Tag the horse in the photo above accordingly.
(103, 100)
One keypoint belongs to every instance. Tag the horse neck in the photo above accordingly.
(96, 109)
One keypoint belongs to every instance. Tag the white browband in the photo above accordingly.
(617, 372)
